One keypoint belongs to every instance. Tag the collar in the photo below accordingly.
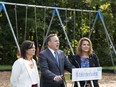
(52, 51)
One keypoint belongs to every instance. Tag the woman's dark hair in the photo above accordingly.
(27, 44)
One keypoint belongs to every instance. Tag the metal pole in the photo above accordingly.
(107, 34)
(64, 30)
(11, 27)
(92, 83)
(48, 30)
(65, 35)
(93, 25)
(16, 23)
(111, 54)
(25, 34)
(38, 6)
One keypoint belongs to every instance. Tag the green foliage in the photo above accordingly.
(77, 25)
(104, 56)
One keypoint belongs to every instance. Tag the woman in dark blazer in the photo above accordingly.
(85, 58)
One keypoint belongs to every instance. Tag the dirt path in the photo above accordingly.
(108, 80)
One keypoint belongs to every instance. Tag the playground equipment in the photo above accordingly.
(55, 12)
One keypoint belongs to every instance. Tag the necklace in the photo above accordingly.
(31, 65)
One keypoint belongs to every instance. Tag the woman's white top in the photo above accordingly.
(32, 73)
(22, 75)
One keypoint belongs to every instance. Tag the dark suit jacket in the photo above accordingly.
(93, 62)
(49, 68)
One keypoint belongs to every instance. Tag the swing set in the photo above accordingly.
(55, 13)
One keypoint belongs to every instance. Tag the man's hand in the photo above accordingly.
(58, 78)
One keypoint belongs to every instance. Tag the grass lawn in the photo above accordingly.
(108, 67)
(67, 76)
(5, 67)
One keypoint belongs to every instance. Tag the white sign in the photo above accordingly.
(83, 74)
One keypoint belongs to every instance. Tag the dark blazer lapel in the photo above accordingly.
(91, 61)
(49, 53)
(79, 60)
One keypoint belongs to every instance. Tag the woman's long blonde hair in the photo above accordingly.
(79, 50)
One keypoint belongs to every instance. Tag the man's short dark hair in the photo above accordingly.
(49, 37)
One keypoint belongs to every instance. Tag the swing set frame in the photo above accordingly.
(56, 12)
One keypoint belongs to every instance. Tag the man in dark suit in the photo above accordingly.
(51, 65)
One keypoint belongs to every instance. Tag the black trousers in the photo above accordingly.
(34, 85)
